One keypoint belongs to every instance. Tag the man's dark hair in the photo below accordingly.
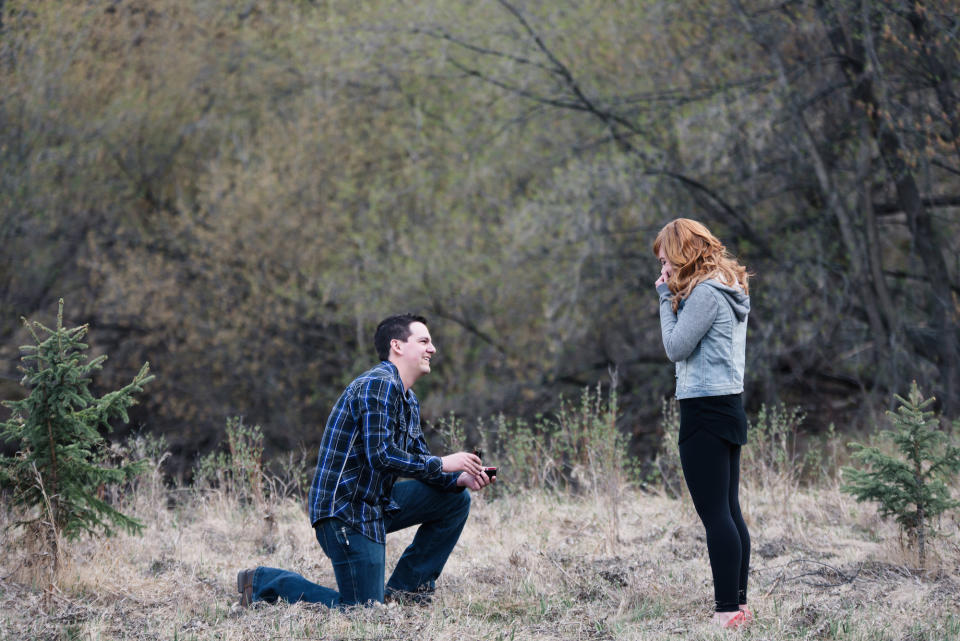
(394, 327)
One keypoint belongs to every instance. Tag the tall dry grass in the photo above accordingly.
(532, 564)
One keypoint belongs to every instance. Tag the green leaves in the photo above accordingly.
(63, 466)
(913, 487)
(230, 197)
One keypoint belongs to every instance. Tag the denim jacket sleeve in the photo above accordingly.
(682, 333)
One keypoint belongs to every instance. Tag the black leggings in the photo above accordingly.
(711, 467)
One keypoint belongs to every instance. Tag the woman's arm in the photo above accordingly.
(682, 333)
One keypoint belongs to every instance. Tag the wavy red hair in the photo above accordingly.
(696, 255)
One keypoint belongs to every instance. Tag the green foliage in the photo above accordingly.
(821, 461)
(238, 471)
(667, 463)
(63, 467)
(452, 433)
(229, 187)
(772, 458)
(525, 450)
(913, 489)
(578, 448)
(148, 489)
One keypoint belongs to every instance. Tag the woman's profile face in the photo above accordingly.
(666, 269)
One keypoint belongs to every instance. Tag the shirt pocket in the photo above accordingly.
(414, 431)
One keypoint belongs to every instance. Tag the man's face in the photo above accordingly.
(416, 351)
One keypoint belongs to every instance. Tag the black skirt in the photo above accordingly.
(722, 416)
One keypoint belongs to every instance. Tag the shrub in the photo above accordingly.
(239, 470)
(579, 449)
(771, 458)
(60, 474)
(147, 492)
(290, 475)
(912, 489)
(667, 463)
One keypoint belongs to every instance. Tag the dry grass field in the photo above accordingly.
(530, 565)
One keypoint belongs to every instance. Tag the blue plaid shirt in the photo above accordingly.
(372, 436)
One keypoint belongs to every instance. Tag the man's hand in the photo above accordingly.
(475, 482)
(462, 462)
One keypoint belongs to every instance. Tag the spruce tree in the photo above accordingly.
(912, 489)
(61, 470)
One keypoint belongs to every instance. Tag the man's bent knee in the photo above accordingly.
(463, 503)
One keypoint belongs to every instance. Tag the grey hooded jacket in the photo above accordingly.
(706, 338)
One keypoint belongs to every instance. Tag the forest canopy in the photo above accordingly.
(238, 192)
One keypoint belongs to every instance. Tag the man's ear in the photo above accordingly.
(396, 345)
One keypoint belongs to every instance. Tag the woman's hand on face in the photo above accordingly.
(666, 269)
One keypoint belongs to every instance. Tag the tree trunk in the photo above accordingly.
(921, 537)
(938, 65)
(867, 273)
(944, 350)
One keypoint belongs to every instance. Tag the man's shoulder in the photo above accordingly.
(384, 370)
(382, 379)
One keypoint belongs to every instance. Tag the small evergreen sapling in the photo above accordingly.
(913, 489)
(61, 466)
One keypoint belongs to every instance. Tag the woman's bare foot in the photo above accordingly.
(748, 615)
(729, 619)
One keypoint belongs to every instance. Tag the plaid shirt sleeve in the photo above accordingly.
(446, 480)
(378, 427)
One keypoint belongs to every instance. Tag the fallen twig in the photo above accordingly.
(782, 578)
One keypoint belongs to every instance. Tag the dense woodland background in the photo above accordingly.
(238, 191)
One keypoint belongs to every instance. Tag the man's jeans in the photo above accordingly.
(358, 562)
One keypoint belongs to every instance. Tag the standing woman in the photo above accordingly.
(704, 304)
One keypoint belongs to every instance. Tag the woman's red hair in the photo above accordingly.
(696, 255)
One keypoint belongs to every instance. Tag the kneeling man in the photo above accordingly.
(372, 437)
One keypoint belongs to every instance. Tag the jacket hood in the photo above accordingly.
(739, 301)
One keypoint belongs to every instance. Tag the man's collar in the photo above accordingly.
(408, 396)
